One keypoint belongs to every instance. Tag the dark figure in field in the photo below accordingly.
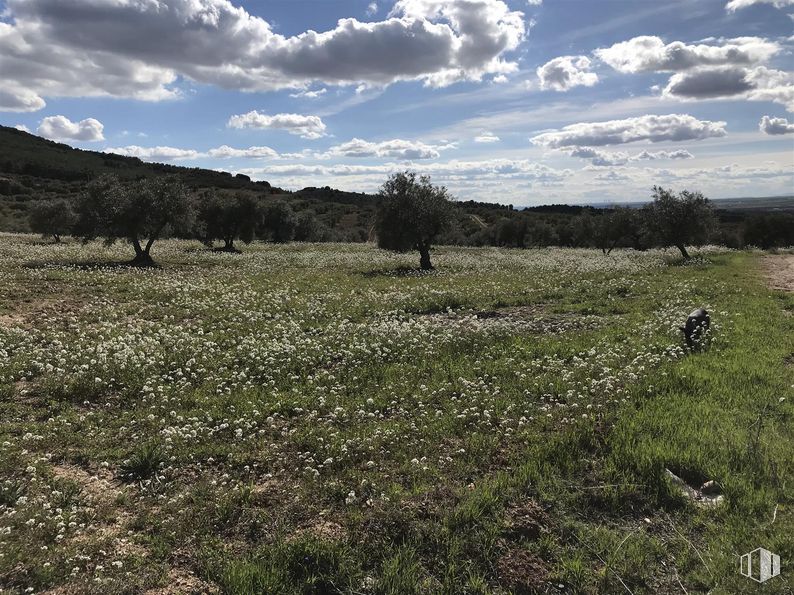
(697, 323)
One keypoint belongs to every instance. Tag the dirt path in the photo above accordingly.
(780, 271)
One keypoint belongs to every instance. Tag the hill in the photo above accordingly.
(33, 168)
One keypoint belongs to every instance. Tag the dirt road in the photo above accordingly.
(780, 271)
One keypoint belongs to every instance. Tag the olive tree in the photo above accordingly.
(279, 222)
(51, 218)
(412, 212)
(619, 226)
(140, 212)
(227, 218)
(679, 219)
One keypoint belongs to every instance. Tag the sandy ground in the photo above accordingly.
(780, 271)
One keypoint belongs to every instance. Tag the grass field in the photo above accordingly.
(323, 418)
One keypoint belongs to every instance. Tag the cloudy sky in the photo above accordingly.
(512, 101)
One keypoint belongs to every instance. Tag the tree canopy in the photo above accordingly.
(227, 218)
(279, 222)
(52, 218)
(140, 212)
(679, 219)
(412, 212)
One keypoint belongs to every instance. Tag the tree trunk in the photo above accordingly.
(57, 238)
(424, 258)
(684, 253)
(228, 246)
(142, 257)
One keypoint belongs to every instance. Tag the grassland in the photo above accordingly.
(322, 418)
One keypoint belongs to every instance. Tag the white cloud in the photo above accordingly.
(22, 127)
(154, 153)
(33, 65)
(19, 100)
(448, 170)
(486, 137)
(62, 128)
(372, 9)
(310, 94)
(139, 48)
(776, 125)
(176, 154)
(227, 152)
(651, 155)
(601, 158)
(309, 127)
(651, 54)
(756, 84)
(735, 5)
(672, 127)
(720, 68)
(394, 149)
(565, 72)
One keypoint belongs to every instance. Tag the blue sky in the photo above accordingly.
(514, 101)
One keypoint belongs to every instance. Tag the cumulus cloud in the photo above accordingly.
(372, 9)
(672, 127)
(448, 170)
(62, 128)
(776, 125)
(486, 137)
(601, 158)
(719, 69)
(735, 5)
(34, 65)
(227, 152)
(309, 127)
(566, 72)
(394, 149)
(651, 155)
(701, 84)
(154, 153)
(139, 48)
(19, 100)
(651, 54)
(176, 154)
(22, 128)
(756, 84)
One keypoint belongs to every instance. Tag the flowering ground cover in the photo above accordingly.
(323, 418)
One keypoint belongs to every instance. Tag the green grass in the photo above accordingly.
(301, 420)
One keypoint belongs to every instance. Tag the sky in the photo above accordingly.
(519, 102)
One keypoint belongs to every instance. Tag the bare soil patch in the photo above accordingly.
(182, 582)
(779, 270)
(31, 308)
(522, 572)
(98, 488)
(526, 521)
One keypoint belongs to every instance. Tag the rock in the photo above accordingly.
(708, 494)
